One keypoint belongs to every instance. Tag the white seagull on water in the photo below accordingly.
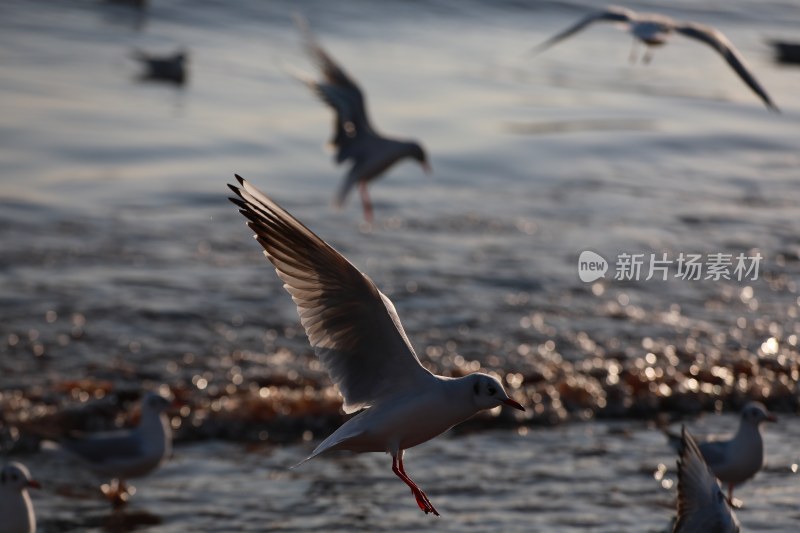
(130, 453)
(702, 507)
(739, 458)
(354, 137)
(16, 508)
(356, 333)
(654, 29)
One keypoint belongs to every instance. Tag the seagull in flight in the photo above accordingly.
(357, 335)
(702, 506)
(741, 457)
(654, 30)
(354, 138)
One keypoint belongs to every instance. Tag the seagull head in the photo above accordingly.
(755, 413)
(16, 475)
(417, 152)
(487, 392)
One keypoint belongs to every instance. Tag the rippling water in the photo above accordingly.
(123, 263)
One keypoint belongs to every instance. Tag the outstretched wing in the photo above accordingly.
(353, 327)
(717, 40)
(701, 504)
(612, 14)
(341, 93)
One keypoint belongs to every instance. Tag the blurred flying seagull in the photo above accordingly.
(170, 68)
(354, 137)
(738, 459)
(126, 454)
(16, 508)
(702, 507)
(357, 335)
(654, 30)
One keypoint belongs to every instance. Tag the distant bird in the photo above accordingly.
(354, 137)
(787, 53)
(654, 30)
(171, 68)
(126, 454)
(357, 335)
(702, 507)
(16, 508)
(738, 459)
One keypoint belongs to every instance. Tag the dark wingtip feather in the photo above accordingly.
(239, 203)
(240, 179)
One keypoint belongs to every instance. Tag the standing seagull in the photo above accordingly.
(654, 30)
(16, 508)
(738, 459)
(354, 138)
(702, 508)
(356, 333)
(126, 454)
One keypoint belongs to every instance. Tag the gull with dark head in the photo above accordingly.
(354, 138)
(702, 507)
(357, 335)
(16, 508)
(125, 454)
(654, 29)
(741, 457)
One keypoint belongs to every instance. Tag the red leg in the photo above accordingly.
(632, 56)
(735, 504)
(362, 187)
(422, 492)
(422, 499)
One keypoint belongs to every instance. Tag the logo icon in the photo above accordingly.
(591, 266)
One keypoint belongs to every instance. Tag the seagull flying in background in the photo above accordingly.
(16, 508)
(126, 454)
(354, 138)
(357, 335)
(702, 506)
(738, 459)
(654, 30)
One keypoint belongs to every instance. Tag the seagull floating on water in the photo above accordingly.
(738, 459)
(354, 137)
(16, 508)
(654, 29)
(357, 335)
(125, 454)
(702, 507)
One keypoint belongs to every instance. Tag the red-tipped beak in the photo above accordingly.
(513, 404)
(32, 483)
(771, 418)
